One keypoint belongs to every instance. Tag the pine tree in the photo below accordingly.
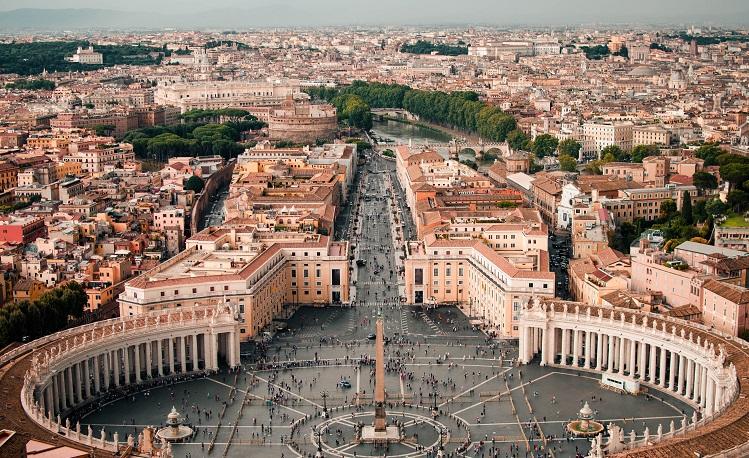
(686, 208)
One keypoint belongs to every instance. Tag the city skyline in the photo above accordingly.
(139, 14)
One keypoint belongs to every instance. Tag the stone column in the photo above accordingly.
(79, 382)
(49, 404)
(523, 342)
(672, 372)
(651, 370)
(97, 374)
(710, 405)
(69, 384)
(682, 374)
(116, 362)
(662, 368)
(599, 352)
(565, 345)
(183, 353)
(632, 358)
(149, 359)
(622, 354)
(703, 387)
(697, 382)
(136, 352)
(234, 351)
(193, 353)
(126, 358)
(552, 344)
(642, 354)
(55, 395)
(107, 369)
(588, 350)
(689, 378)
(62, 391)
(160, 357)
(576, 349)
(610, 358)
(171, 355)
(86, 378)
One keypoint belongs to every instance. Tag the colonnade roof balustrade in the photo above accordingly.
(35, 362)
(726, 433)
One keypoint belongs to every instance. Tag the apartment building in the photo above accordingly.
(265, 275)
(650, 135)
(725, 307)
(599, 135)
(488, 287)
(681, 275)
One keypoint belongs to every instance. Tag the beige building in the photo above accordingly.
(650, 135)
(209, 95)
(487, 286)
(725, 307)
(599, 135)
(87, 56)
(264, 274)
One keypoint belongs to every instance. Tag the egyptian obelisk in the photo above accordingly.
(380, 421)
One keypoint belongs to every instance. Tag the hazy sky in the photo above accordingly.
(446, 11)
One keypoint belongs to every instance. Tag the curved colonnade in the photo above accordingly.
(686, 360)
(75, 367)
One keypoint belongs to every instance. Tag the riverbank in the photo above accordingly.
(448, 131)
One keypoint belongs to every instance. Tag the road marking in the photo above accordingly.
(473, 388)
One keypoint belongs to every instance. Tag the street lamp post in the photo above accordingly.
(324, 396)
(318, 436)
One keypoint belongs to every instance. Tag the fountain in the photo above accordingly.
(174, 430)
(585, 425)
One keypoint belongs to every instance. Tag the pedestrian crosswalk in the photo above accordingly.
(404, 321)
(430, 323)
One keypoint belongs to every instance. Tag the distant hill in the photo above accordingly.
(64, 19)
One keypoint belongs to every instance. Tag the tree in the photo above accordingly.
(569, 147)
(709, 153)
(615, 152)
(518, 140)
(544, 145)
(567, 163)
(698, 211)
(640, 152)
(704, 180)
(735, 173)
(104, 130)
(668, 207)
(738, 200)
(194, 183)
(715, 207)
(686, 208)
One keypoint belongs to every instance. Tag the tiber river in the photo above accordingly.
(401, 133)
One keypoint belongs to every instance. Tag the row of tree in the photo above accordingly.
(34, 57)
(32, 84)
(50, 313)
(427, 47)
(162, 142)
(201, 135)
(459, 110)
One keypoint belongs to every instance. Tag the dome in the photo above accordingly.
(643, 71)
